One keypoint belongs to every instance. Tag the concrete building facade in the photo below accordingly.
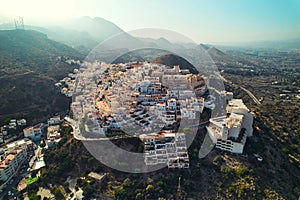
(230, 132)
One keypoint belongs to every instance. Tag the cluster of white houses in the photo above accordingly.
(53, 135)
(147, 95)
(67, 84)
(12, 127)
(12, 155)
(230, 132)
(83, 102)
(141, 98)
(166, 147)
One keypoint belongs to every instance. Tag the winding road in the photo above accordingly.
(248, 92)
(251, 95)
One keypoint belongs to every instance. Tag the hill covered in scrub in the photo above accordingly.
(220, 175)
(30, 64)
(171, 60)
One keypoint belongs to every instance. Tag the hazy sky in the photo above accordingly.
(202, 20)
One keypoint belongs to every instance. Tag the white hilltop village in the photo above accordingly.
(138, 99)
(149, 101)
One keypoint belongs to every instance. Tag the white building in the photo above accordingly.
(160, 106)
(188, 113)
(33, 132)
(24, 143)
(10, 160)
(210, 102)
(175, 82)
(172, 105)
(13, 124)
(21, 122)
(189, 108)
(230, 132)
(152, 79)
(185, 94)
(169, 118)
(200, 102)
(166, 148)
(53, 135)
(237, 106)
(54, 120)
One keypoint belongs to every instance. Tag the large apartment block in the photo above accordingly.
(166, 148)
(11, 156)
(9, 163)
(230, 132)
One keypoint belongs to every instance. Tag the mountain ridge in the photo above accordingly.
(82, 33)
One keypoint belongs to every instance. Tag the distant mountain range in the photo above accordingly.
(83, 33)
(86, 33)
